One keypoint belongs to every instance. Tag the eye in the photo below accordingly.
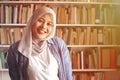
(50, 24)
(41, 20)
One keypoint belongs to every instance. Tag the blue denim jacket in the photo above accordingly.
(18, 63)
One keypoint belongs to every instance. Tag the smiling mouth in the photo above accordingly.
(41, 31)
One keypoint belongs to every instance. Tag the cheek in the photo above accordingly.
(34, 30)
(34, 27)
(50, 30)
(36, 24)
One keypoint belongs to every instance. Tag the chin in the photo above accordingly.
(41, 38)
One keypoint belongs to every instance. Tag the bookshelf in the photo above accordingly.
(79, 18)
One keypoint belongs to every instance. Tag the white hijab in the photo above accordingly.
(25, 45)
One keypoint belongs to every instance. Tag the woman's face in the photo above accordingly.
(43, 27)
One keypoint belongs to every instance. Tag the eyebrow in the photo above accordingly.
(45, 20)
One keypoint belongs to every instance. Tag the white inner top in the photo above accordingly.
(43, 66)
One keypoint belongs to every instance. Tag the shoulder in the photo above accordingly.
(57, 40)
(14, 45)
(11, 53)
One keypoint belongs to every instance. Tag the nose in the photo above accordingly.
(44, 25)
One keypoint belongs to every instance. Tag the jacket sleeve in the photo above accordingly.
(65, 60)
(12, 64)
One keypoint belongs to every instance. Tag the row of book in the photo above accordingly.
(79, 14)
(87, 58)
(9, 35)
(93, 58)
(82, 35)
(89, 76)
(88, 35)
(86, 15)
(110, 75)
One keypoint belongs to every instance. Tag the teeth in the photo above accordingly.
(42, 31)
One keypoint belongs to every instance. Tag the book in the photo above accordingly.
(3, 36)
(117, 58)
(88, 31)
(100, 36)
(105, 54)
(17, 34)
(112, 58)
(19, 19)
(2, 59)
(15, 14)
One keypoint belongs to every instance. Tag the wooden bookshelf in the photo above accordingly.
(60, 2)
(66, 25)
(92, 70)
(88, 23)
(92, 46)
(4, 70)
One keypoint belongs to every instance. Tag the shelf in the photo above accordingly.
(4, 46)
(81, 70)
(93, 46)
(92, 70)
(59, 2)
(13, 25)
(67, 25)
(3, 70)
(75, 46)
(91, 25)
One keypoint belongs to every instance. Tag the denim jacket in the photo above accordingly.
(18, 63)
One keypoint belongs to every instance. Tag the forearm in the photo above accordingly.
(67, 62)
(68, 66)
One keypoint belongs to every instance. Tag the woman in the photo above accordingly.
(39, 55)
